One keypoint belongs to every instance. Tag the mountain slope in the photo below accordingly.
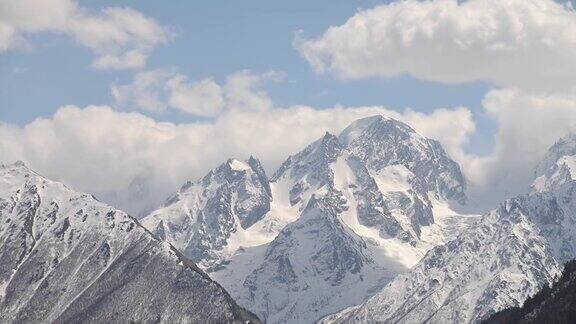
(558, 166)
(556, 304)
(498, 262)
(506, 257)
(65, 257)
(378, 194)
(314, 266)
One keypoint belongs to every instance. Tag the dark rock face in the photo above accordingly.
(371, 207)
(65, 257)
(214, 225)
(248, 185)
(256, 166)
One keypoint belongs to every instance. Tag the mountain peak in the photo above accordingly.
(369, 120)
(253, 160)
(315, 158)
(238, 165)
(381, 142)
(340, 208)
(18, 165)
(379, 126)
(358, 127)
(558, 165)
(328, 135)
(204, 216)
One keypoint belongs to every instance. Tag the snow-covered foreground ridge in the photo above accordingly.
(495, 264)
(331, 227)
(66, 257)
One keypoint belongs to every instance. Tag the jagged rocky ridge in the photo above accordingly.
(497, 263)
(347, 214)
(201, 217)
(66, 257)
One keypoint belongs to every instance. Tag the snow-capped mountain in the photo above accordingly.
(205, 218)
(337, 221)
(391, 172)
(497, 263)
(66, 257)
(558, 166)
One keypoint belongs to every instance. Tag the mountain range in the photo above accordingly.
(331, 227)
(362, 226)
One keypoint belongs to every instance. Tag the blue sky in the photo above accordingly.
(216, 39)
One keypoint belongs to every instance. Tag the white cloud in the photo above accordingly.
(452, 127)
(242, 90)
(525, 47)
(517, 44)
(104, 151)
(203, 98)
(148, 91)
(158, 90)
(511, 43)
(130, 60)
(121, 38)
(528, 125)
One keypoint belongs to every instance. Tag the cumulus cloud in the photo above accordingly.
(510, 43)
(243, 90)
(121, 38)
(528, 125)
(525, 48)
(146, 92)
(203, 98)
(158, 90)
(127, 158)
